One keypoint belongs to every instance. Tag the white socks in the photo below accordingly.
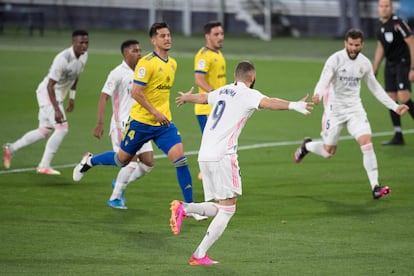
(215, 229)
(317, 148)
(126, 175)
(208, 209)
(122, 180)
(139, 171)
(29, 138)
(52, 146)
(370, 164)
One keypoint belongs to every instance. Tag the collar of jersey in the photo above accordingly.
(165, 60)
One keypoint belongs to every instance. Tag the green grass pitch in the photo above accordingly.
(313, 218)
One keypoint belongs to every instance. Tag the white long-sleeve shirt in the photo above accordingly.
(340, 84)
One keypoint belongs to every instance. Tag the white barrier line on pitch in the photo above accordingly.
(194, 152)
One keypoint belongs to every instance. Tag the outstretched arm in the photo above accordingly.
(279, 104)
(189, 97)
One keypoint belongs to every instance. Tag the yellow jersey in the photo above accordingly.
(213, 65)
(157, 75)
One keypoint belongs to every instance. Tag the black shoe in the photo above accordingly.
(397, 140)
(302, 151)
(379, 191)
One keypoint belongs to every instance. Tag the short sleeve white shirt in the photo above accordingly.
(65, 69)
(232, 105)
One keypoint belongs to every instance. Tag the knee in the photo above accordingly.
(45, 132)
(64, 127)
(145, 167)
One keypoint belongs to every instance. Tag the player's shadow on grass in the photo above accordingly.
(341, 208)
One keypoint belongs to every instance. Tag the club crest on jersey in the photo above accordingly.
(361, 70)
(389, 37)
(141, 72)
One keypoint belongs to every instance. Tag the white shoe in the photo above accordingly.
(82, 167)
(197, 217)
(48, 171)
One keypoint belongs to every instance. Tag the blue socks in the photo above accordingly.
(184, 178)
(108, 158)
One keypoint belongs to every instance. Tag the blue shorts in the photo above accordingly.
(136, 134)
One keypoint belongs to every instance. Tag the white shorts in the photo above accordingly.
(116, 137)
(357, 125)
(46, 115)
(221, 179)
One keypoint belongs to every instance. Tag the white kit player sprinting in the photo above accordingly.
(232, 105)
(60, 81)
(339, 86)
(118, 87)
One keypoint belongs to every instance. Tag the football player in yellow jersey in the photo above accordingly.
(209, 69)
(150, 117)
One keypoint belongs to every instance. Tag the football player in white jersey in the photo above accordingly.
(232, 104)
(118, 87)
(339, 86)
(60, 81)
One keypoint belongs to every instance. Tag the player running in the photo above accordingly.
(339, 86)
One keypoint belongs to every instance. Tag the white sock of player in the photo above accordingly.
(139, 172)
(317, 148)
(215, 229)
(208, 209)
(370, 164)
(52, 146)
(122, 180)
(29, 138)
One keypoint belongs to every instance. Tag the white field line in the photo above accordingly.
(194, 152)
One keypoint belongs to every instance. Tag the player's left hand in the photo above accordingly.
(71, 105)
(401, 109)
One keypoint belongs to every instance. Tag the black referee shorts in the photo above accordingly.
(396, 76)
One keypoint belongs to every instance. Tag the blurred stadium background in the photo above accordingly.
(262, 18)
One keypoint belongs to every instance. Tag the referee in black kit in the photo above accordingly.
(396, 43)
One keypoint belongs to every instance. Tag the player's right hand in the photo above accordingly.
(98, 131)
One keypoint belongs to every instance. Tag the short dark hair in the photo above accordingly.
(128, 43)
(79, 33)
(156, 26)
(244, 70)
(210, 25)
(354, 34)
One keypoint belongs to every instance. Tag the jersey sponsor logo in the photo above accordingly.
(141, 72)
(201, 64)
(389, 36)
(164, 86)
